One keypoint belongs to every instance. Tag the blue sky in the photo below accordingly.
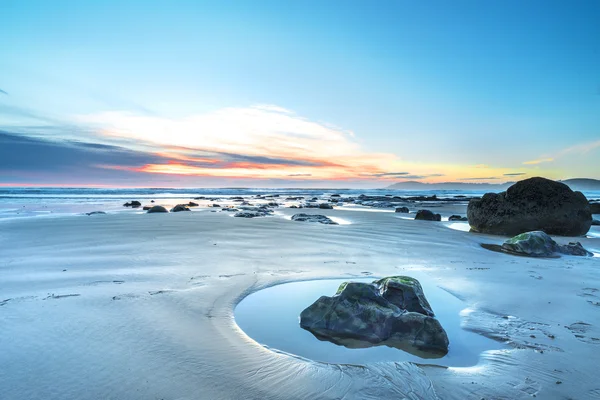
(433, 90)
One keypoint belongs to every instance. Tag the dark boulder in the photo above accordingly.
(192, 204)
(384, 312)
(157, 209)
(530, 205)
(457, 218)
(595, 208)
(133, 204)
(180, 207)
(426, 215)
(403, 210)
(313, 218)
(146, 208)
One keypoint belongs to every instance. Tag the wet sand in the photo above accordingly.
(140, 306)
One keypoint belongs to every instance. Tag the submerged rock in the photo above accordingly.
(180, 207)
(391, 311)
(313, 218)
(539, 244)
(157, 209)
(95, 213)
(403, 210)
(531, 205)
(457, 218)
(426, 215)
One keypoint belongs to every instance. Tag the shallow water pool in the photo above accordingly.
(271, 317)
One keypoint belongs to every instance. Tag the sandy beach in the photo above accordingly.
(141, 306)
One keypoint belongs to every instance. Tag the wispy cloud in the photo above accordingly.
(3, 92)
(478, 179)
(516, 174)
(300, 175)
(391, 174)
(581, 148)
(539, 161)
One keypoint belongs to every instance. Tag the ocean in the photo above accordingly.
(23, 202)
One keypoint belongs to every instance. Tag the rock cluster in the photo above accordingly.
(313, 218)
(539, 244)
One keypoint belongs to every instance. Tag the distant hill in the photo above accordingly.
(575, 184)
(582, 184)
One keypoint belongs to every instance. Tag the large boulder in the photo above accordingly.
(392, 311)
(313, 218)
(530, 205)
(426, 215)
(157, 209)
(539, 244)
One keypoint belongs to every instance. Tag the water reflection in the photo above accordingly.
(271, 317)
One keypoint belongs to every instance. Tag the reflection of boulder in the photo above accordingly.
(157, 209)
(535, 204)
(392, 311)
(426, 215)
(539, 244)
(313, 218)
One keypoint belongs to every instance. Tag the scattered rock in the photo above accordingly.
(151, 201)
(457, 218)
(403, 210)
(157, 209)
(146, 208)
(335, 195)
(384, 312)
(192, 204)
(325, 206)
(180, 207)
(539, 244)
(293, 206)
(133, 204)
(531, 205)
(426, 215)
(313, 218)
(216, 205)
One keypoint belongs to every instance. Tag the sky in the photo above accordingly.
(297, 93)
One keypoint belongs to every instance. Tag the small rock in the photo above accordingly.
(325, 206)
(457, 218)
(313, 218)
(426, 215)
(157, 209)
(403, 210)
(95, 213)
(180, 207)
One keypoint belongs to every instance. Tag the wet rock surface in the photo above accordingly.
(539, 244)
(530, 205)
(391, 311)
(313, 218)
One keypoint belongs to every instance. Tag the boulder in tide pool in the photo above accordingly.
(392, 311)
(403, 210)
(539, 244)
(157, 209)
(313, 218)
(531, 205)
(426, 215)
